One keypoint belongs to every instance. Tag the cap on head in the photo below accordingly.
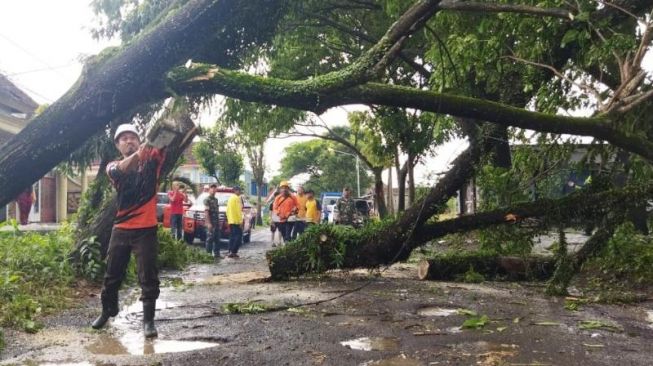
(125, 127)
(236, 188)
(284, 183)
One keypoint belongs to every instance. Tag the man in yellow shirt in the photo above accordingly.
(235, 221)
(313, 209)
(300, 224)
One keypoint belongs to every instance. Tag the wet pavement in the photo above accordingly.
(393, 320)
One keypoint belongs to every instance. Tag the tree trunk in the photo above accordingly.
(402, 172)
(411, 179)
(118, 80)
(391, 196)
(379, 194)
(259, 203)
(490, 266)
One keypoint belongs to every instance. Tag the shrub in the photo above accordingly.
(35, 276)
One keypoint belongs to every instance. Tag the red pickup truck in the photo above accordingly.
(193, 220)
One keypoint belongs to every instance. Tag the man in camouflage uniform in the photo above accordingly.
(212, 217)
(346, 208)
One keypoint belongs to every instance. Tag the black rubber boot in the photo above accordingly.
(148, 319)
(109, 309)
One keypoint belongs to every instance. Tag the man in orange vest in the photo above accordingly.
(285, 206)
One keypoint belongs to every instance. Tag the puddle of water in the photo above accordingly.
(454, 330)
(131, 313)
(132, 344)
(400, 360)
(436, 311)
(373, 344)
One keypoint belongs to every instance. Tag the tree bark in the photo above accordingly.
(490, 266)
(402, 173)
(259, 203)
(379, 194)
(391, 196)
(411, 179)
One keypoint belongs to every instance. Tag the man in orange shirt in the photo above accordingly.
(285, 205)
(136, 178)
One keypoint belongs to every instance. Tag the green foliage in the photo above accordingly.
(176, 254)
(627, 257)
(218, 156)
(328, 170)
(91, 264)
(476, 322)
(574, 303)
(34, 276)
(244, 308)
(323, 247)
(507, 239)
(471, 276)
(598, 324)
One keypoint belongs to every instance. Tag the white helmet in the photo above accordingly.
(125, 127)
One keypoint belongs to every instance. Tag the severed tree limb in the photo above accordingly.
(388, 244)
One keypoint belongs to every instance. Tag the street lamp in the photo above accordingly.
(358, 177)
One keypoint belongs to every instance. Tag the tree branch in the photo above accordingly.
(505, 8)
(207, 79)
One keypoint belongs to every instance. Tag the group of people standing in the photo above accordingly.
(234, 215)
(292, 213)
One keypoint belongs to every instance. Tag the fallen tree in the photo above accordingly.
(327, 247)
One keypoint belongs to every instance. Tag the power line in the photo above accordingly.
(29, 53)
(42, 69)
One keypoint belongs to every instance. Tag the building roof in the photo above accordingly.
(16, 107)
(15, 99)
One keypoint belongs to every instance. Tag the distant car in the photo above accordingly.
(194, 220)
(162, 200)
(328, 201)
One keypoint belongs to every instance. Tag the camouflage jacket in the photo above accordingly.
(211, 204)
(346, 211)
